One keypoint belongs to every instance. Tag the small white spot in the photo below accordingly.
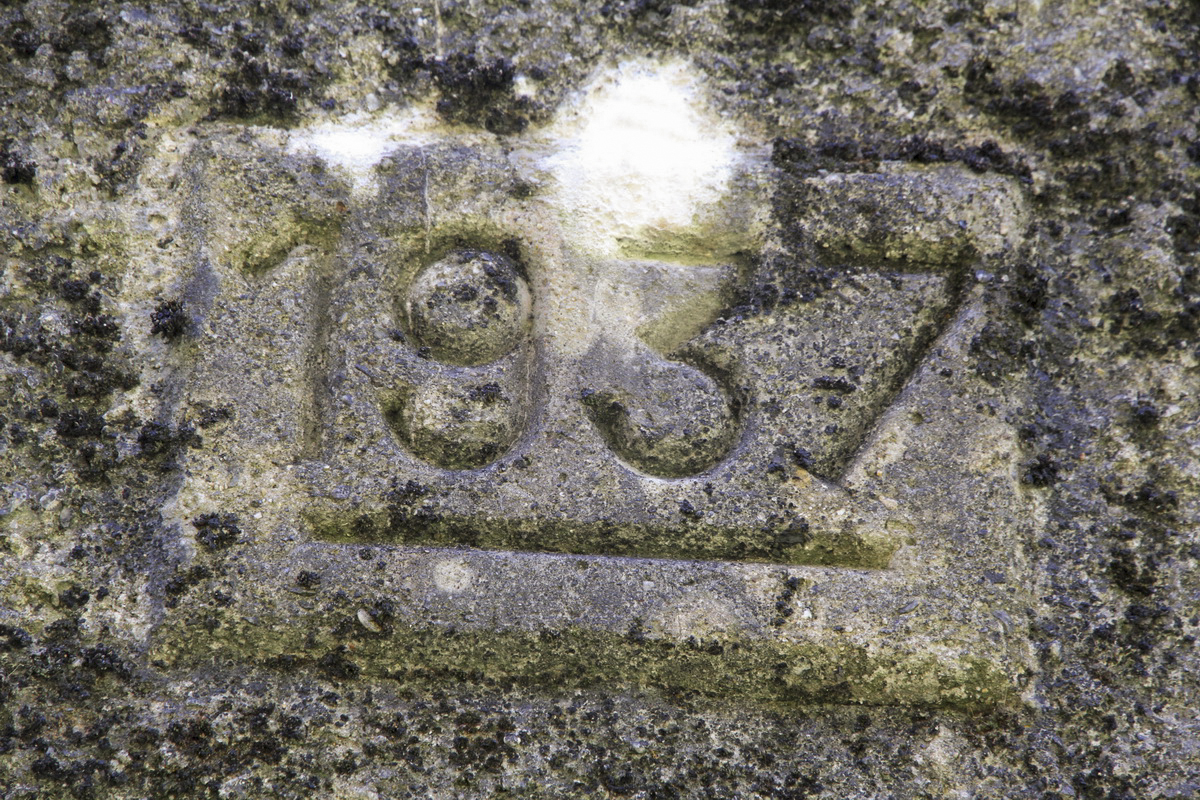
(700, 617)
(452, 575)
(524, 87)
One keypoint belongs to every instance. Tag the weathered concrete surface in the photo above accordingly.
(370, 430)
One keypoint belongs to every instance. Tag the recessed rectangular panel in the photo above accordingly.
(459, 442)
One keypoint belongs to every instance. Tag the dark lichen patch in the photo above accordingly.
(1155, 324)
(479, 93)
(161, 440)
(485, 393)
(79, 354)
(13, 638)
(217, 531)
(255, 90)
(74, 597)
(797, 157)
(23, 41)
(1023, 104)
(986, 157)
(1144, 413)
(75, 423)
(1028, 289)
(782, 18)
(169, 319)
(621, 12)
(307, 579)
(1149, 498)
(337, 665)
(15, 168)
(78, 29)
(182, 581)
(207, 416)
(1128, 311)
(997, 351)
(1184, 228)
(118, 169)
(269, 74)
(1041, 472)
(783, 603)
(1088, 132)
(1130, 573)
(837, 384)
(83, 30)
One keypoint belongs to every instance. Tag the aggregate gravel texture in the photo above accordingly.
(1091, 108)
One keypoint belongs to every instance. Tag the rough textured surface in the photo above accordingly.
(214, 578)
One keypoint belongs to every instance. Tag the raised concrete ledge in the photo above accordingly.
(701, 628)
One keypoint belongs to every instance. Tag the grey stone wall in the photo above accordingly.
(383, 419)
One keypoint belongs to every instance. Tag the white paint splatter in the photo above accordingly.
(356, 143)
(639, 154)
